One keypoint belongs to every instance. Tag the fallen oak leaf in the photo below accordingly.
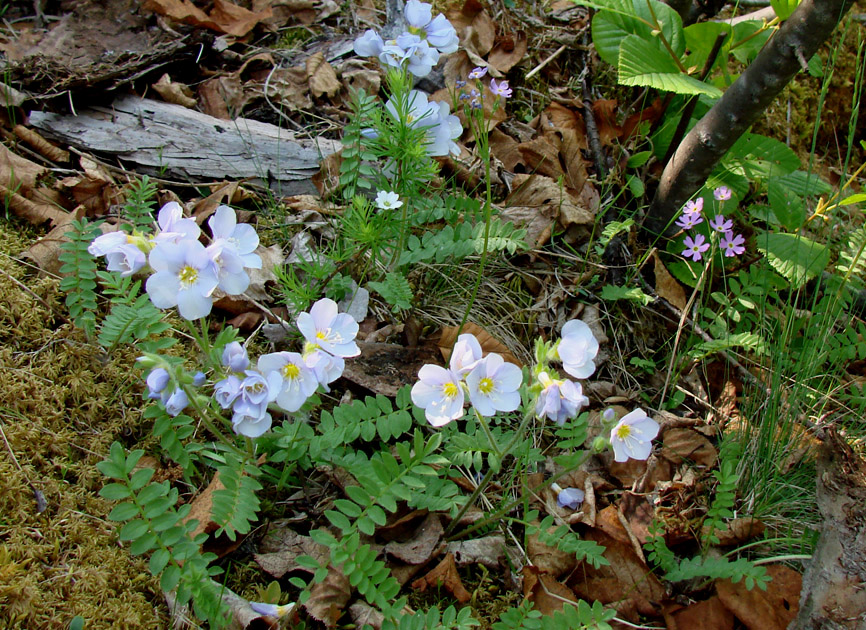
(329, 597)
(444, 574)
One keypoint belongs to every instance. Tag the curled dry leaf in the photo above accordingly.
(281, 546)
(508, 52)
(486, 340)
(666, 285)
(421, 547)
(444, 575)
(40, 144)
(176, 93)
(772, 609)
(321, 76)
(224, 16)
(546, 593)
(681, 444)
(549, 560)
(738, 531)
(329, 597)
(707, 615)
(489, 551)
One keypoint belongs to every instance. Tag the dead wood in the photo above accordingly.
(833, 595)
(159, 138)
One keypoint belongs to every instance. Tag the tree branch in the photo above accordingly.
(741, 105)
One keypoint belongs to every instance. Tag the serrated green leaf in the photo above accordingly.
(647, 64)
(617, 19)
(795, 257)
(700, 39)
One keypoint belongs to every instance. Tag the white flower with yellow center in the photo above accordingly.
(632, 436)
(184, 278)
(438, 392)
(298, 381)
(493, 385)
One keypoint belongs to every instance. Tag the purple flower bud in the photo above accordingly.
(235, 357)
(156, 382)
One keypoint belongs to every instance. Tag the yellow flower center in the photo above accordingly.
(450, 390)
(187, 276)
(623, 431)
(485, 385)
(291, 371)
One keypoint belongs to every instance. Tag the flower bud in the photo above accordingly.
(599, 444)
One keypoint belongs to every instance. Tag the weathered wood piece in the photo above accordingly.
(166, 139)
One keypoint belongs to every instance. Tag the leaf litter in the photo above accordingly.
(550, 191)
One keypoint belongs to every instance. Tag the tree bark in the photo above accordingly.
(741, 105)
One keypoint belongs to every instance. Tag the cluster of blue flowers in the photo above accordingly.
(185, 272)
(417, 51)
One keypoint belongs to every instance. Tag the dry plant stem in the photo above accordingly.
(741, 106)
(682, 322)
(541, 66)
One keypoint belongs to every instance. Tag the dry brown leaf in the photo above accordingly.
(45, 251)
(506, 149)
(545, 592)
(605, 120)
(626, 583)
(666, 285)
(707, 615)
(224, 17)
(40, 144)
(225, 193)
(680, 444)
(222, 97)
(363, 615)
(384, 368)
(489, 551)
(772, 609)
(444, 575)
(17, 173)
(488, 343)
(176, 93)
(536, 202)
(289, 87)
(422, 546)
(508, 52)
(551, 560)
(281, 546)
(201, 508)
(738, 531)
(357, 75)
(321, 76)
(329, 597)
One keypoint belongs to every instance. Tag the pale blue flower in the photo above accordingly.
(173, 226)
(570, 498)
(441, 35)
(420, 55)
(235, 357)
(632, 436)
(465, 354)
(439, 394)
(298, 381)
(199, 379)
(418, 14)
(577, 349)
(446, 130)
(240, 238)
(272, 610)
(608, 414)
(478, 73)
(560, 399)
(251, 420)
(493, 385)
(227, 390)
(157, 381)
(326, 367)
(184, 278)
(369, 44)
(107, 242)
(176, 402)
(333, 332)
(119, 251)
(257, 388)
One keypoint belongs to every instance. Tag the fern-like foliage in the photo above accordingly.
(573, 617)
(152, 524)
(852, 259)
(448, 244)
(723, 501)
(849, 344)
(501, 237)
(658, 551)
(140, 204)
(449, 619)
(236, 505)
(356, 172)
(173, 433)
(566, 540)
(720, 568)
(79, 271)
(395, 290)
(521, 617)
(140, 321)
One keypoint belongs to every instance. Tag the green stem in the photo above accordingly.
(658, 29)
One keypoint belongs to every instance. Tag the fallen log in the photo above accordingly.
(157, 138)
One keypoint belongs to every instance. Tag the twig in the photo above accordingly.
(541, 66)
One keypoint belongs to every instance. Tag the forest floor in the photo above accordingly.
(289, 64)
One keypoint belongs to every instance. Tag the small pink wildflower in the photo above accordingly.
(500, 89)
(732, 245)
(694, 207)
(719, 224)
(695, 247)
(689, 220)
(722, 193)
(477, 73)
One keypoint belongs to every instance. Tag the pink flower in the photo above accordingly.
(719, 224)
(477, 73)
(695, 247)
(689, 220)
(694, 207)
(732, 245)
(501, 89)
(722, 193)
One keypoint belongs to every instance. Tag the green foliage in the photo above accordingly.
(152, 524)
(723, 500)
(79, 274)
(851, 265)
(566, 540)
(395, 290)
(794, 257)
(501, 237)
(355, 169)
(446, 244)
(173, 434)
(720, 568)
(373, 419)
(140, 321)
(236, 505)
(632, 294)
(750, 342)
(140, 204)
(450, 619)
